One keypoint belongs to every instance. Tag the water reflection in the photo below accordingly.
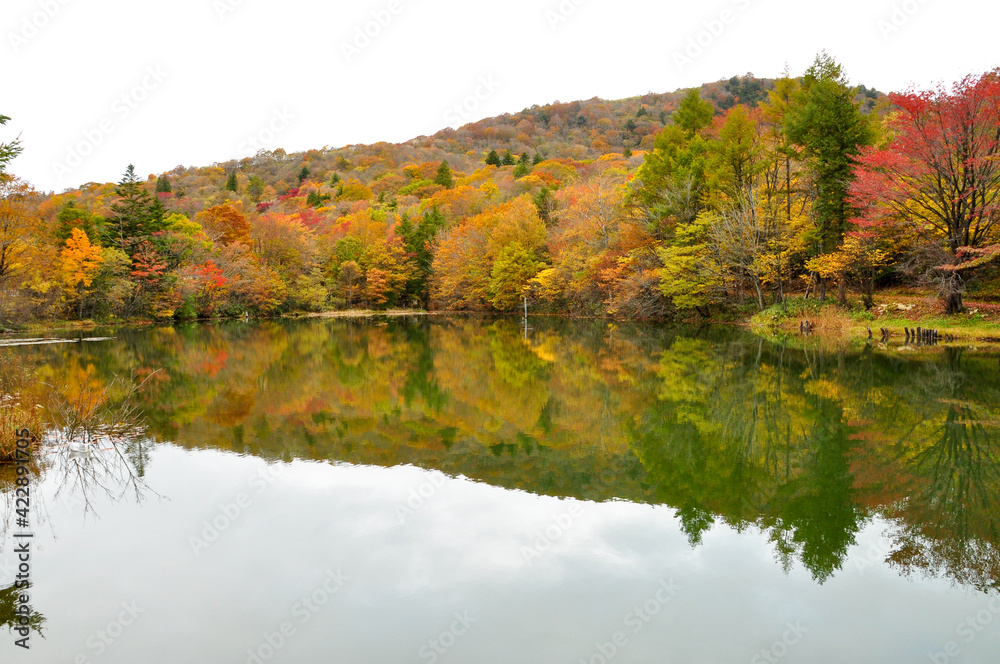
(9, 616)
(806, 444)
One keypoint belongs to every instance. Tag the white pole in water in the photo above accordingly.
(525, 317)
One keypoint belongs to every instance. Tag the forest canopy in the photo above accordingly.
(731, 195)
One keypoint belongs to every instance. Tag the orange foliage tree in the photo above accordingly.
(79, 262)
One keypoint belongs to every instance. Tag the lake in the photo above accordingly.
(452, 489)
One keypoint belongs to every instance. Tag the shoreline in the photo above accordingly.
(893, 313)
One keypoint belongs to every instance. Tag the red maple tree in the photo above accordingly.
(939, 177)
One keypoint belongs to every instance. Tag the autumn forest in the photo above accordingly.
(728, 198)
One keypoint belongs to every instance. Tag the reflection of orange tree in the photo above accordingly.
(94, 436)
(500, 383)
(399, 393)
(17, 405)
(88, 423)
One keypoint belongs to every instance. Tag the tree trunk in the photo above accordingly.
(868, 296)
(781, 282)
(842, 291)
(821, 289)
(953, 302)
(760, 295)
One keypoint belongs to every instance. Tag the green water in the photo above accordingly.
(770, 500)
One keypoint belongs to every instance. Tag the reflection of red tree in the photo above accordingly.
(213, 365)
(940, 494)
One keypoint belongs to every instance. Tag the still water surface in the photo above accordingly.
(455, 490)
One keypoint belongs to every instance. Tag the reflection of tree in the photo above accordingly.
(801, 443)
(8, 617)
(694, 521)
(96, 440)
(816, 511)
(742, 434)
(734, 435)
(952, 524)
(421, 380)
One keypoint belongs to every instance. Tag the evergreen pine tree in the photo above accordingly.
(545, 203)
(493, 159)
(135, 216)
(523, 167)
(255, 188)
(163, 185)
(8, 151)
(827, 123)
(231, 184)
(418, 239)
(444, 177)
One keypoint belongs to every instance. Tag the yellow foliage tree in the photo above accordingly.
(78, 264)
(860, 259)
(464, 262)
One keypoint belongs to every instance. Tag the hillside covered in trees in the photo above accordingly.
(693, 202)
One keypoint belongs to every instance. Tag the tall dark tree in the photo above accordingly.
(231, 184)
(255, 188)
(163, 185)
(304, 174)
(444, 177)
(546, 204)
(523, 166)
(135, 216)
(493, 159)
(508, 159)
(418, 239)
(827, 123)
(693, 113)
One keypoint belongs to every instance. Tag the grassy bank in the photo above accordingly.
(361, 313)
(49, 326)
(893, 311)
(39, 326)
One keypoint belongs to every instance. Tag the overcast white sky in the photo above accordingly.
(93, 85)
